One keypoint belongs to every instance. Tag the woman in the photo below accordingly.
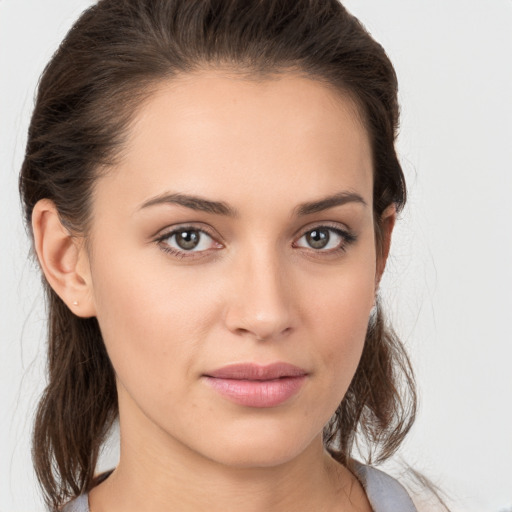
(212, 187)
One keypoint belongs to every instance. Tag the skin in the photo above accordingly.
(255, 290)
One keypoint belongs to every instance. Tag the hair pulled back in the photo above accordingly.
(109, 62)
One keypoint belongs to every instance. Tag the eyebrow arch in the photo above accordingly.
(192, 202)
(222, 208)
(328, 202)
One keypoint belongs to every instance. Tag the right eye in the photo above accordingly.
(186, 241)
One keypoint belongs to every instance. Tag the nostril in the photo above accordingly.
(284, 332)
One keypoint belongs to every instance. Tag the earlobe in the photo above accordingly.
(63, 259)
(387, 223)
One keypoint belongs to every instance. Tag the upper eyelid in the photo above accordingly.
(169, 231)
(324, 224)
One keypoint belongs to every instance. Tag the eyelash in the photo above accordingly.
(347, 237)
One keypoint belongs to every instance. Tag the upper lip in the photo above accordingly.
(252, 371)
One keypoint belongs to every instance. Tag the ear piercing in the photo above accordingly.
(75, 303)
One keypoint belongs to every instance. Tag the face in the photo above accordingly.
(233, 265)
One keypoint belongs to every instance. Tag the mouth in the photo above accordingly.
(253, 385)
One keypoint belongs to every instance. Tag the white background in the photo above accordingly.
(449, 282)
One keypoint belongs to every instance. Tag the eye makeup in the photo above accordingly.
(190, 237)
(320, 237)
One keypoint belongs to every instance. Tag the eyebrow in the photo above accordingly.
(221, 208)
(328, 202)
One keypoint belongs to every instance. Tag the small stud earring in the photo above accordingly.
(75, 303)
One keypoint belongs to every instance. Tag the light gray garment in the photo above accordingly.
(385, 494)
(81, 504)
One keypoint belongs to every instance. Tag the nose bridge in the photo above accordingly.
(260, 304)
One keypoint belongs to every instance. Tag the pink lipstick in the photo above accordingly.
(254, 385)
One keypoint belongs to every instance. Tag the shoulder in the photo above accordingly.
(384, 492)
(80, 504)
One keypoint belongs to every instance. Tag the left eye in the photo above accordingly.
(325, 238)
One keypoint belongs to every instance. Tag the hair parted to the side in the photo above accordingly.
(110, 61)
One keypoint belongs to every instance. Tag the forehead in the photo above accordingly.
(217, 134)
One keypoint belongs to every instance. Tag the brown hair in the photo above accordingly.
(106, 66)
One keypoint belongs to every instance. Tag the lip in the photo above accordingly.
(254, 385)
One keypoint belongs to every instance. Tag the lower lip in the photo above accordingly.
(257, 393)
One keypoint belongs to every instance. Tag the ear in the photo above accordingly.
(63, 259)
(387, 223)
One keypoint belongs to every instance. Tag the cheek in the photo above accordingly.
(345, 321)
(340, 314)
(153, 322)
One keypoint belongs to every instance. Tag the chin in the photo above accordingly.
(253, 457)
(262, 446)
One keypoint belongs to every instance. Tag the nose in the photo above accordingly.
(260, 301)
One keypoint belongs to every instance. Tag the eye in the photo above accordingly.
(326, 239)
(187, 239)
